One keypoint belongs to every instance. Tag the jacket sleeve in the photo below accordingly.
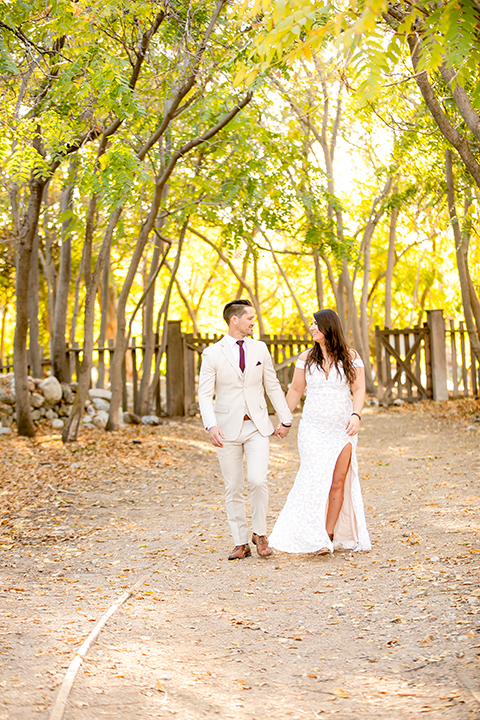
(274, 389)
(206, 390)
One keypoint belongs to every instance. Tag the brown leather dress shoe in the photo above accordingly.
(239, 552)
(262, 545)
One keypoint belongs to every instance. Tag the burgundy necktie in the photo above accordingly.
(242, 355)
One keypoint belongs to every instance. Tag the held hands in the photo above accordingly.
(353, 425)
(216, 436)
(281, 431)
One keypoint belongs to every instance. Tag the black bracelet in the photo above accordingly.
(289, 426)
(358, 416)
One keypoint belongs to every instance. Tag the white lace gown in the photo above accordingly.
(300, 527)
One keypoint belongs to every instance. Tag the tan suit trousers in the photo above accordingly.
(255, 447)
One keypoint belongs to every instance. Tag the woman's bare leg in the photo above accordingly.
(337, 491)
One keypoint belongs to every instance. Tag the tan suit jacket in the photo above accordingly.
(237, 393)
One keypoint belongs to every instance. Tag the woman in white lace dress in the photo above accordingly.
(324, 508)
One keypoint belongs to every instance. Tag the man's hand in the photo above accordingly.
(281, 431)
(216, 436)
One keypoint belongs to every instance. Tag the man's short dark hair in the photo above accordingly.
(235, 307)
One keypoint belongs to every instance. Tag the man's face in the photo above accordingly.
(246, 322)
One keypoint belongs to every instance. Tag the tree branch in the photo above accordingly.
(451, 134)
(469, 114)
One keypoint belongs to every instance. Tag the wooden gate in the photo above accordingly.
(404, 369)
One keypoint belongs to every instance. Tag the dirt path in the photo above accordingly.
(392, 633)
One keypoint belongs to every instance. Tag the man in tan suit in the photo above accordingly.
(237, 370)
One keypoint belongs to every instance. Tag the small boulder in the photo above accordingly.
(131, 419)
(101, 404)
(31, 384)
(36, 400)
(52, 390)
(398, 402)
(6, 410)
(36, 415)
(90, 410)
(51, 414)
(74, 386)
(6, 420)
(151, 420)
(6, 398)
(100, 393)
(5, 431)
(87, 420)
(67, 394)
(100, 420)
(63, 410)
(57, 424)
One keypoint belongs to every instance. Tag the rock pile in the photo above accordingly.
(97, 408)
(49, 400)
(52, 401)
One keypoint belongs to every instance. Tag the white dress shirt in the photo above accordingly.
(235, 348)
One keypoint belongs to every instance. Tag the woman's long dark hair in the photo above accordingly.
(328, 323)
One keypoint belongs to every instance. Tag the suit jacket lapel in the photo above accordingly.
(230, 357)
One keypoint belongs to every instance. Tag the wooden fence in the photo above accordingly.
(462, 365)
(430, 361)
(404, 368)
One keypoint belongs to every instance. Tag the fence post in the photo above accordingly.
(436, 325)
(175, 369)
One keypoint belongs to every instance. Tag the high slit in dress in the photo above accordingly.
(300, 527)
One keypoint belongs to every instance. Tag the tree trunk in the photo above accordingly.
(333, 284)
(246, 258)
(460, 257)
(392, 231)
(2, 331)
(120, 340)
(353, 318)
(35, 355)
(373, 220)
(186, 302)
(49, 275)
(415, 290)
(70, 431)
(256, 292)
(20, 356)
(474, 301)
(76, 304)
(104, 306)
(318, 279)
(61, 368)
(164, 311)
(148, 331)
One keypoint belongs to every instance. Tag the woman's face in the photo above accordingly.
(317, 334)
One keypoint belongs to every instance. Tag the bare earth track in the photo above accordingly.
(391, 633)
